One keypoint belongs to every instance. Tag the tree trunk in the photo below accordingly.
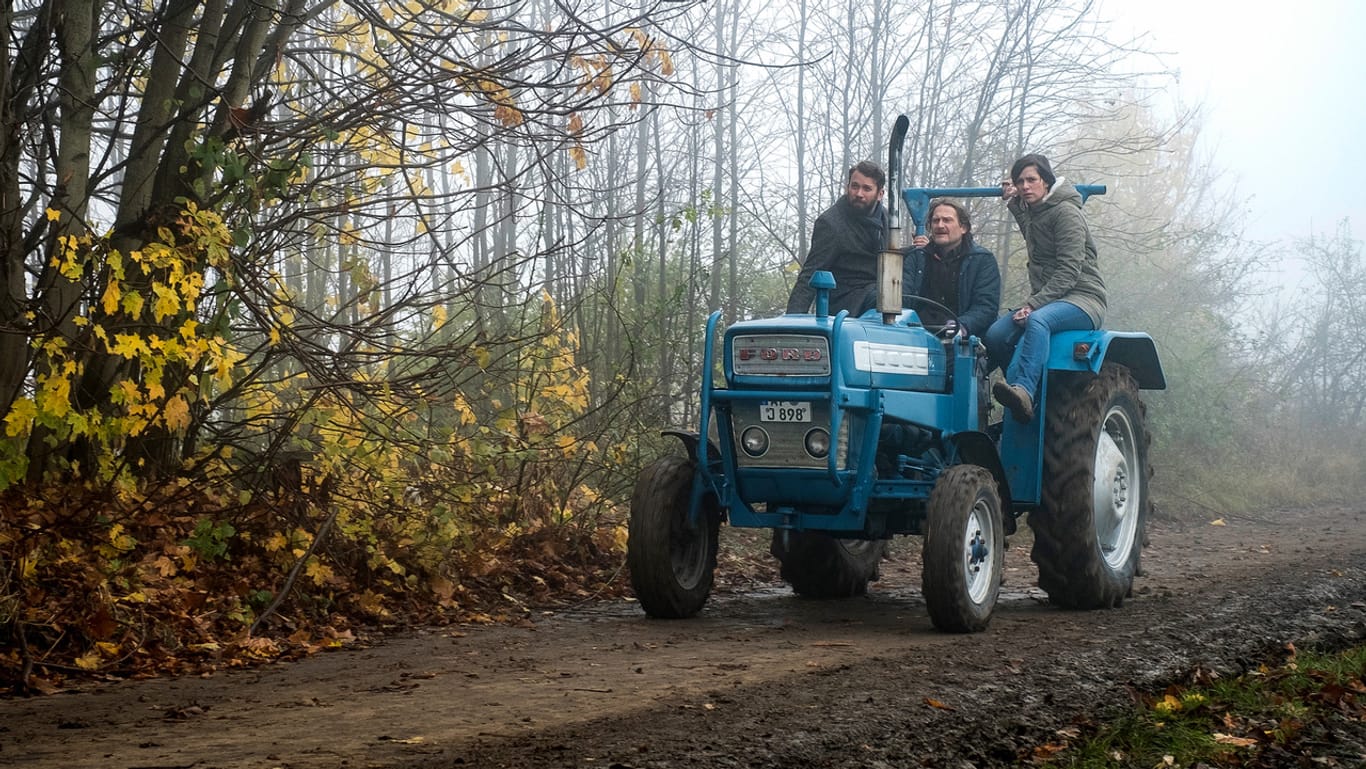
(62, 294)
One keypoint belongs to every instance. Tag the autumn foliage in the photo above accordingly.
(228, 563)
(328, 509)
(278, 362)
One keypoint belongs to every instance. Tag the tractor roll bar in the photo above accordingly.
(918, 198)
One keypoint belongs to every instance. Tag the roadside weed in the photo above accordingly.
(1304, 707)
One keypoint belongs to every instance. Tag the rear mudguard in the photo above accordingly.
(1089, 350)
(1081, 351)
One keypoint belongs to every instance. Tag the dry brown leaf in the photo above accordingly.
(1229, 739)
(932, 702)
(1045, 752)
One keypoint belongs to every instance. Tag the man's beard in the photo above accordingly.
(862, 208)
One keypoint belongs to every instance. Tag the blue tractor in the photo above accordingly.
(839, 432)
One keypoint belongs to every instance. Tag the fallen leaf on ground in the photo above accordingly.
(1229, 739)
(932, 702)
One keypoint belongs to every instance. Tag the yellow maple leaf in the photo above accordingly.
(463, 410)
(121, 540)
(373, 604)
(167, 303)
(132, 304)
(19, 420)
(53, 215)
(54, 396)
(1168, 705)
(318, 571)
(177, 413)
(110, 300)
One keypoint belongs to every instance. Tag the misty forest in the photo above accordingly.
(320, 313)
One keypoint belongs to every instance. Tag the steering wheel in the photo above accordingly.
(935, 329)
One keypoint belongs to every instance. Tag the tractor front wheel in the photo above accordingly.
(672, 560)
(1088, 536)
(821, 566)
(964, 550)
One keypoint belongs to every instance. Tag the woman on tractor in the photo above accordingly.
(1066, 290)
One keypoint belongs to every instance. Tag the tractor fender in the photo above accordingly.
(977, 448)
(1089, 350)
(691, 441)
(706, 491)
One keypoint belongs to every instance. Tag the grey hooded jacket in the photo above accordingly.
(1062, 256)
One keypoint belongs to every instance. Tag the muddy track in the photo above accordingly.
(760, 679)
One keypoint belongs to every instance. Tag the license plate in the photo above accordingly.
(785, 411)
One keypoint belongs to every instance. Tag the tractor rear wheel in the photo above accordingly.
(672, 561)
(1088, 536)
(821, 566)
(964, 550)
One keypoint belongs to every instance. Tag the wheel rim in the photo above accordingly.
(977, 558)
(688, 552)
(1115, 494)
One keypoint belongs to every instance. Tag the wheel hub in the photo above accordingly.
(977, 553)
(1113, 498)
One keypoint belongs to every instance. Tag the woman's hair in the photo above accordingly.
(1039, 162)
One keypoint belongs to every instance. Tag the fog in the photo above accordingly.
(1283, 102)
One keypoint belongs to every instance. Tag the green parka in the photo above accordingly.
(1062, 256)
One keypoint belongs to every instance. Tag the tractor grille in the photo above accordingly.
(787, 440)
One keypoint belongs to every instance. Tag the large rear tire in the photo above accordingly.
(672, 563)
(821, 566)
(964, 550)
(1088, 536)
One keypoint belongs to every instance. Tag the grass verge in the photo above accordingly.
(1305, 709)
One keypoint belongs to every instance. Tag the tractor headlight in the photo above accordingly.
(818, 442)
(754, 440)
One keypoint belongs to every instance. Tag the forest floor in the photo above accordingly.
(759, 679)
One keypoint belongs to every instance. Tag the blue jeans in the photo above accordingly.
(1029, 343)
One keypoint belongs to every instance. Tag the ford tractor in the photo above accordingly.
(840, 432)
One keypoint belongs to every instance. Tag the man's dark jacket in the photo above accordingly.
(979, 286)
(845, 242)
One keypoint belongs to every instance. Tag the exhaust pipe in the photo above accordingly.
(889, 261)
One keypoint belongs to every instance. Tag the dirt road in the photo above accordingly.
(760, 679)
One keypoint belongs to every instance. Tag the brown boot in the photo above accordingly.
(1016, 399)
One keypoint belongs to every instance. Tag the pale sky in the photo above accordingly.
(1284, 92)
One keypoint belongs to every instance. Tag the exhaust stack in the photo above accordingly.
(889, 261)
